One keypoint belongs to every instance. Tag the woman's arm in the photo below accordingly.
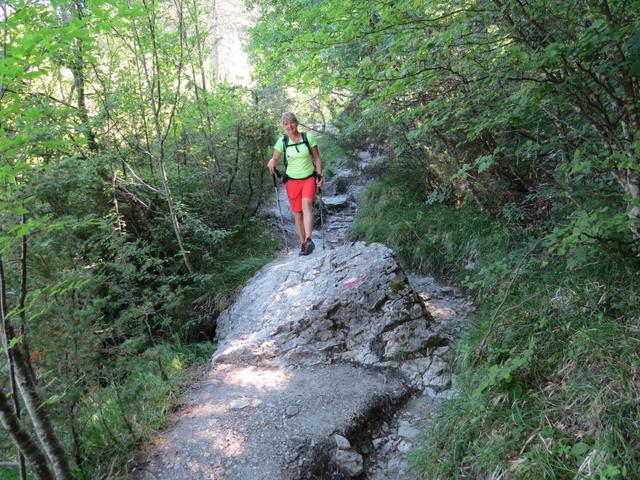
(273, 162)
(317, 162)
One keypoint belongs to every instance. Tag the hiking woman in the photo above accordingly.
(302, 175)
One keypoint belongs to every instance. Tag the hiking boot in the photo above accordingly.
(307, 247)
(310, 246)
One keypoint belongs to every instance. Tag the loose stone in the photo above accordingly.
(406, 430)
(239, 404)
(349, 462)
(292, 411)
(341, 442)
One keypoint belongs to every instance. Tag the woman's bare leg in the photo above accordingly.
(307, 213)
(300, 224)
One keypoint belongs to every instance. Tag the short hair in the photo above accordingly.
(288, 116)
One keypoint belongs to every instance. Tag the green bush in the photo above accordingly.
(131, 403)
(548, 371)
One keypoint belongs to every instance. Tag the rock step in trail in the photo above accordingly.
(328, 366)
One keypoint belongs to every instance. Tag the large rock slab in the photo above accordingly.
(264, 422)
(353, 303)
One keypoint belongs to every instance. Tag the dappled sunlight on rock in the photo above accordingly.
(294, 359)
(441, 312)
(245, 342)
(228, 442)
(276, 267)
(258, 378)
(294, 366)
(264, 349)
(294, 291)
(207, 409)
(197, 470)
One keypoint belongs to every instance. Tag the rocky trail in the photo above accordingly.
(328, 366)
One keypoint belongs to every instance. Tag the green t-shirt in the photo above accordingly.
(299, 159)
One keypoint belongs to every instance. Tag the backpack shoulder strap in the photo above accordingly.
(285, 144)
(306, 142)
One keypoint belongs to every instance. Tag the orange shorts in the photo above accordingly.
(299, 189)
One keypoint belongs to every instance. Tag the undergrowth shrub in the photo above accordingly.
(132, 403)
(548, 373)
(117, 325)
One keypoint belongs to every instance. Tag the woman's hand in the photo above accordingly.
(319, 181)
(273, 162)
(272, 166)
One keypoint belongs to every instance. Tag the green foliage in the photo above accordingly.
(547, 373)
(496, 99)
(399, 355)
(330, 149)
(396, 216)
(113, 133)
(512, 142)
(500, 375)
(130, 406)
(9, 473)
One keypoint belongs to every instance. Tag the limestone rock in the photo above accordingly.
(341, 442)
(353, 304)
(336, 202)
(294, 357)
(291, 411)
(406, 430)
(349, 462)
(239, 404)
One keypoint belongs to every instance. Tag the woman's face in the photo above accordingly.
(290, 127)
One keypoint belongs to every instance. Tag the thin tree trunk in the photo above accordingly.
(76, 65)
(3, 307)
(203, 87)
(24, 442)
(38, 416)
(23, 327)
(116, 207)
(253, 159)
(264, 140)
(16, 403)
(234, 173)
(628, 178)
(24, 343)
(155, 96)
(75, 437)
(78, 80)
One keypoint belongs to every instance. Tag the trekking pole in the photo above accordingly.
(321, 216)
(284, 232)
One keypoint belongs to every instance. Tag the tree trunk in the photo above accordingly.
(236, 166)
(23, 331)
(26, 385)
(172, 213)
(629, 180)
(36, 459)
(155, 96)
(77, 70)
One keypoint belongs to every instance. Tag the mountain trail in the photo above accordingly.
(328, 366)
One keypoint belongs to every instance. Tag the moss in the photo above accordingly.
(397, 287)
